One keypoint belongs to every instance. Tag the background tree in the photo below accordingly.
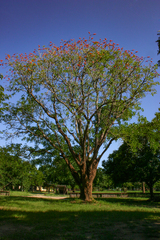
(124, 165)
(57, 172)
(10, 166)
(157, 185)
(119, 165)
(53, 167)
(15, 172)
(102, 180)
(30, 177)
(79, 92)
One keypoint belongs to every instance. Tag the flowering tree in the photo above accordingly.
(1, 92)
(3, 97)
(75, 97)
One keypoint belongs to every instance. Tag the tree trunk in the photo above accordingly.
(87, 183)
(86, 191)
(143, 187)
(151, 191)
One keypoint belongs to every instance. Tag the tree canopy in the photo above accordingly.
(77, 94)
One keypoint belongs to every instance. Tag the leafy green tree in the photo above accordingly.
(119, 165)
(57, 173)
(102, 180)
(14, 171)
(77, 94)
(30, 177)
(38, 178)
(157, 185)
(124, 165)
(50, 163)
(9, 168)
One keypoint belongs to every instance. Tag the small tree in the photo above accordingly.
(77, 94)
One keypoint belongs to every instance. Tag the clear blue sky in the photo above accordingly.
(25, 24)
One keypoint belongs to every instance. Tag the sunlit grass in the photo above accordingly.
(109, 204)
(19, 193)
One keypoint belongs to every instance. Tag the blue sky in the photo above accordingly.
(133, 24)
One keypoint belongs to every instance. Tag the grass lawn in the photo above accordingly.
(30, 218)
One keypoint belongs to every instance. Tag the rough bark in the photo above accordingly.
(87, 183)
(86, 192)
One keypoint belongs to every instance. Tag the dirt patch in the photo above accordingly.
(42, 196)
(139, 230)
(127, 232)
(10, 208)
(6, 228)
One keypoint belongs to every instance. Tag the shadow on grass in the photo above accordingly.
(74, 219)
